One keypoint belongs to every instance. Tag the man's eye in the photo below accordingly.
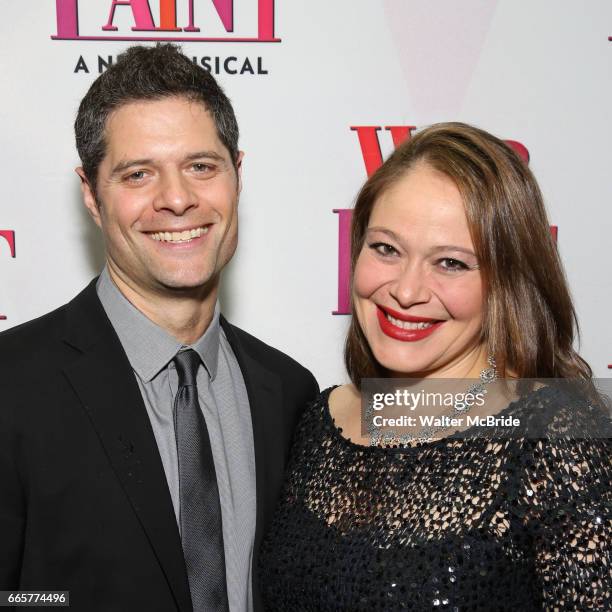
(382, 248)
(136, 176)
(453, 265)
(201, 167)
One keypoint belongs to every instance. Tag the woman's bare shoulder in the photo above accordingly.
(345, 409)
(343, 397)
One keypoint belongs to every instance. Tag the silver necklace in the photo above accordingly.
(377, 438)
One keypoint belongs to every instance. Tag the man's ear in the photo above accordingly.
(239, 169)
(89, 198)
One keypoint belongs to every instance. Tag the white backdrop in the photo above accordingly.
(533, 71)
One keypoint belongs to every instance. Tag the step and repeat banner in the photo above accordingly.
(323, 91)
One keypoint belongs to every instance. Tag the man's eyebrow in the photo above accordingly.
(128, 163)
(205, 154)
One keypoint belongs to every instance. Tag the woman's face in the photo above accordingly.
(417, 287)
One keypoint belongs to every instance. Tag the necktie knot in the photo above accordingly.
(187, 364)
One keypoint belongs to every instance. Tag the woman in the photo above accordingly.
(455, 275)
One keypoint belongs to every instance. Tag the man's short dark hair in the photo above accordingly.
(148, 73)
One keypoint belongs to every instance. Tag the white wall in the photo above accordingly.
(536, 72)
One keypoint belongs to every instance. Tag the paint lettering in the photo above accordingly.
(67, 20)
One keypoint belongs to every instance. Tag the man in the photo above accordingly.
(143, 438)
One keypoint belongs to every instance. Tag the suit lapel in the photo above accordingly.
(265, 399)
(105, 384)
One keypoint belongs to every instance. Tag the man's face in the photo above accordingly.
(167, 196)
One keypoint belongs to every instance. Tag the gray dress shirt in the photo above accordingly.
(224, 402)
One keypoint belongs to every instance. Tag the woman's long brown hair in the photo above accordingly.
(529, 321)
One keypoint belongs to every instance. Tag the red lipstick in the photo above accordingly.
(399, 333)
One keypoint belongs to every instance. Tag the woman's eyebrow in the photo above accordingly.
(384, 230)
(452, 247)
(434, 249)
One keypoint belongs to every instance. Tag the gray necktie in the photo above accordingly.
(200, 512)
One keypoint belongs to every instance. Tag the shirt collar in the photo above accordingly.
(207, 346)
(150, 348)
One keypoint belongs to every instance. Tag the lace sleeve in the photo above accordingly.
(568, 500)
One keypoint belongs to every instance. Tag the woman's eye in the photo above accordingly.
(382, 248)
(453, 265)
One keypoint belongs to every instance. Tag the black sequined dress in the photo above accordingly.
(454, 524)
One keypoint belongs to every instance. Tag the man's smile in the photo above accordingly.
(180, 236)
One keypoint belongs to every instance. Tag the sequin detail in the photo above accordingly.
(463, 524)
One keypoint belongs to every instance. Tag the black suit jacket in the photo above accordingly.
(84, 503)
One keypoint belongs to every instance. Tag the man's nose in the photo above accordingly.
(175, 193)
(411, 285)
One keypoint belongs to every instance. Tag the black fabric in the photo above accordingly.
(84, 503)
(463, 524)
(200, 508)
